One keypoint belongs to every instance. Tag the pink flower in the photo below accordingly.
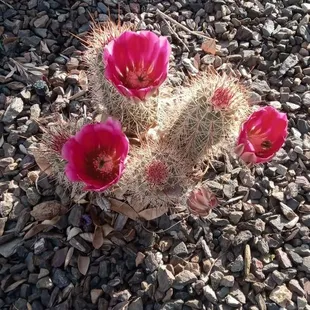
(137, 63)
(221, 98)
(96, 155)
(262, 135)
(201, 201)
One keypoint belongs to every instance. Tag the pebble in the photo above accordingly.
(209, 294)
(184, 278)
(13, 110)
(165, 279)
(281, 295)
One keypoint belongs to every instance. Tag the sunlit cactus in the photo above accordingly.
(207, 117)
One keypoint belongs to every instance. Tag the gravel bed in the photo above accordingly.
(251, 253)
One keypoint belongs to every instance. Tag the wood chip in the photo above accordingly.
(124, 208)
(247, 260)
(69, 256)
(153, 213)
(47, 210)
(14, 285)
(98, 238)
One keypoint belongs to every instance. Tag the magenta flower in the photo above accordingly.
(201, 201)
(221, 98)
(262, 135)
(96, 155)
(137, 63)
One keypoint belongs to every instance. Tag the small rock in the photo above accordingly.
(75, 215)
(281, 295)
(242, 237)
(60, 279)
(209, 294)
(12, 111)
(238, 264)
(180, 249)
(291, 61)
(294, 286)
(165, 279)
(283, 259)
(305, 266)
(244, 34)
(232, 301)
(151, 263)
(228, 281)
(41, 21)
(184, 278)
(45, 283)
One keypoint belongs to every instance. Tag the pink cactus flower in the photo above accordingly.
(201, 201)
(262, 135)
(136, 63)
(221, 98)
(96, 155)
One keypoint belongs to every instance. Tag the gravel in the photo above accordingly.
(252, 253)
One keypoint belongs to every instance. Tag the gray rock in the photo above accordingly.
(180, 249)
(232, 301)
(60, 279)
(32, 4)
(238, 264)
(209, 294)
(238, 294)
(261, 87)
(291, 61)
(268, 28)
(137, 304)
(184, 278)
(242, 237)
(173, 305)
(9, 248)
(41, 21)
(45, 283)
(220, 27)
(151, 263)
(294, 286)
(12, 111)
(295, 258)
(306, 99)
(305, 266)
(281, 295)
(235, 217)
(228, 281)
(283, 259)
(165, 279)
(244, 34)
(215, 278)
(75, 215)
(303, 126)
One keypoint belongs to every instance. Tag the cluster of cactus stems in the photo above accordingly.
(177, 129)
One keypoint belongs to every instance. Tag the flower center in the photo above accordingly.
(266, 145)
(156, 173)
(137, 78)
(103, 163)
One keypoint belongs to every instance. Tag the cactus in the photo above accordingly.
(49, 151)
(135, 117)
(207, 117)
(154, 174)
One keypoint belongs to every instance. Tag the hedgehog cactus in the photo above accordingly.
(210, 115)
(125, 76)
(153, 173)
